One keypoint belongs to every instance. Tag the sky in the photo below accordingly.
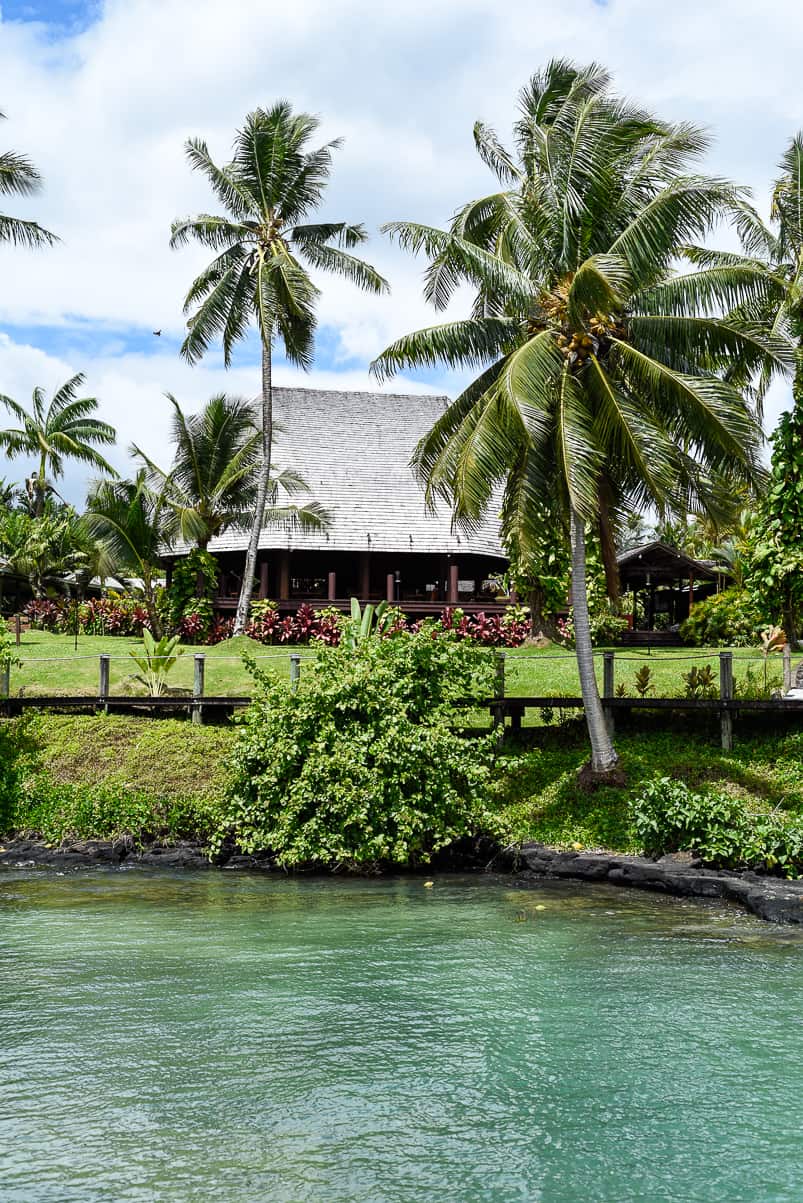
(102, 95)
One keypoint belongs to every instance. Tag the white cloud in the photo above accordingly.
(131, 389)
(105, 114)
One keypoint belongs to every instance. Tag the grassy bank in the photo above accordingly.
(161, 779)
(52, 665)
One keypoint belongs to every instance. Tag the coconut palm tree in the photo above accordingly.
(127, 517)
(263, 250)
(44, 549)
(54, 433)
(19, 177)
(772, 261)
(598, 368)
(213, 481)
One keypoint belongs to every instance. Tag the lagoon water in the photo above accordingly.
(226, 1038)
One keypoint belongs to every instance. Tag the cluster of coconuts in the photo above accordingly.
(578, 347)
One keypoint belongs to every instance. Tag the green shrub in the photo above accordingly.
(19, 748)
(360, 765)
(669, 817)
(607, 627)
(700, 682)
(727, 619)
(757, 684)
(644, 681)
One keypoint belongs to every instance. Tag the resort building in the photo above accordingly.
(666, 583)
(353, 450)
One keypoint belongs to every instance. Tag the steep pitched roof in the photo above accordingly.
(353, 449)
(664, 561)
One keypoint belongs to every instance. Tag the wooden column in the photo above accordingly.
(284, 575)
(608, 688)
(691, 590)
(454, 576)
(726, 693)
(332, 586)
(263, 579)
(199, 669)
(365, 575)
(390, 588)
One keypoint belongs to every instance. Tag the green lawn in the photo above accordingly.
(51, 665)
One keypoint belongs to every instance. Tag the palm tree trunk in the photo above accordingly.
(603, 754)
(608, 545)
(247, 587)
(39, 503)
(150, 604)
(541, 627)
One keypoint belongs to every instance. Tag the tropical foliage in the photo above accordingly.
(213, 482)
(155, 661)
(727, 619)
(52, 433)
(360, 765)
(264, 249)
(125, 515)
(52, 550)
(19, 177)
(775, 573)
(668, 816)
(602, 373)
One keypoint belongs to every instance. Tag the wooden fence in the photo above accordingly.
(501, 707)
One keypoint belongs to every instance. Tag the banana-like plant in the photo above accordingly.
(365, 624)
(155, 662)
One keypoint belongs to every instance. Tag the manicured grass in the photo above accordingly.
(531, 672)
(52, 665)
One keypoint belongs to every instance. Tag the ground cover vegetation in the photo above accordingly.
(75, 777)
(609, 385)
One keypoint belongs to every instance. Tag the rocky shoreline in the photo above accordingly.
(774, 899)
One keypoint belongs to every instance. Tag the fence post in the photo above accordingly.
(198, 687)
(103, 683)
(295, 670)
(726, 693)
(18, 628)
(499, 691)
(5, 681)
(787, 667)
(608, 688)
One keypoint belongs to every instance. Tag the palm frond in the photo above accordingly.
(461, 344)
(332, 259)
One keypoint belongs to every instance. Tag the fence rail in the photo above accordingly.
(501, 707)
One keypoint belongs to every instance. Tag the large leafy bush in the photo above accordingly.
(727, 619)
(361, 765)
(669, 817)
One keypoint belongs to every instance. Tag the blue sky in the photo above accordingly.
(102, 96)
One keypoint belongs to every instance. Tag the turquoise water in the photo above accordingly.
(233, 1039)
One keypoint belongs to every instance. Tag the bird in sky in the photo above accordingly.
(158, 333)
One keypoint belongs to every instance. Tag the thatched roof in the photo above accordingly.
(353, 449)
